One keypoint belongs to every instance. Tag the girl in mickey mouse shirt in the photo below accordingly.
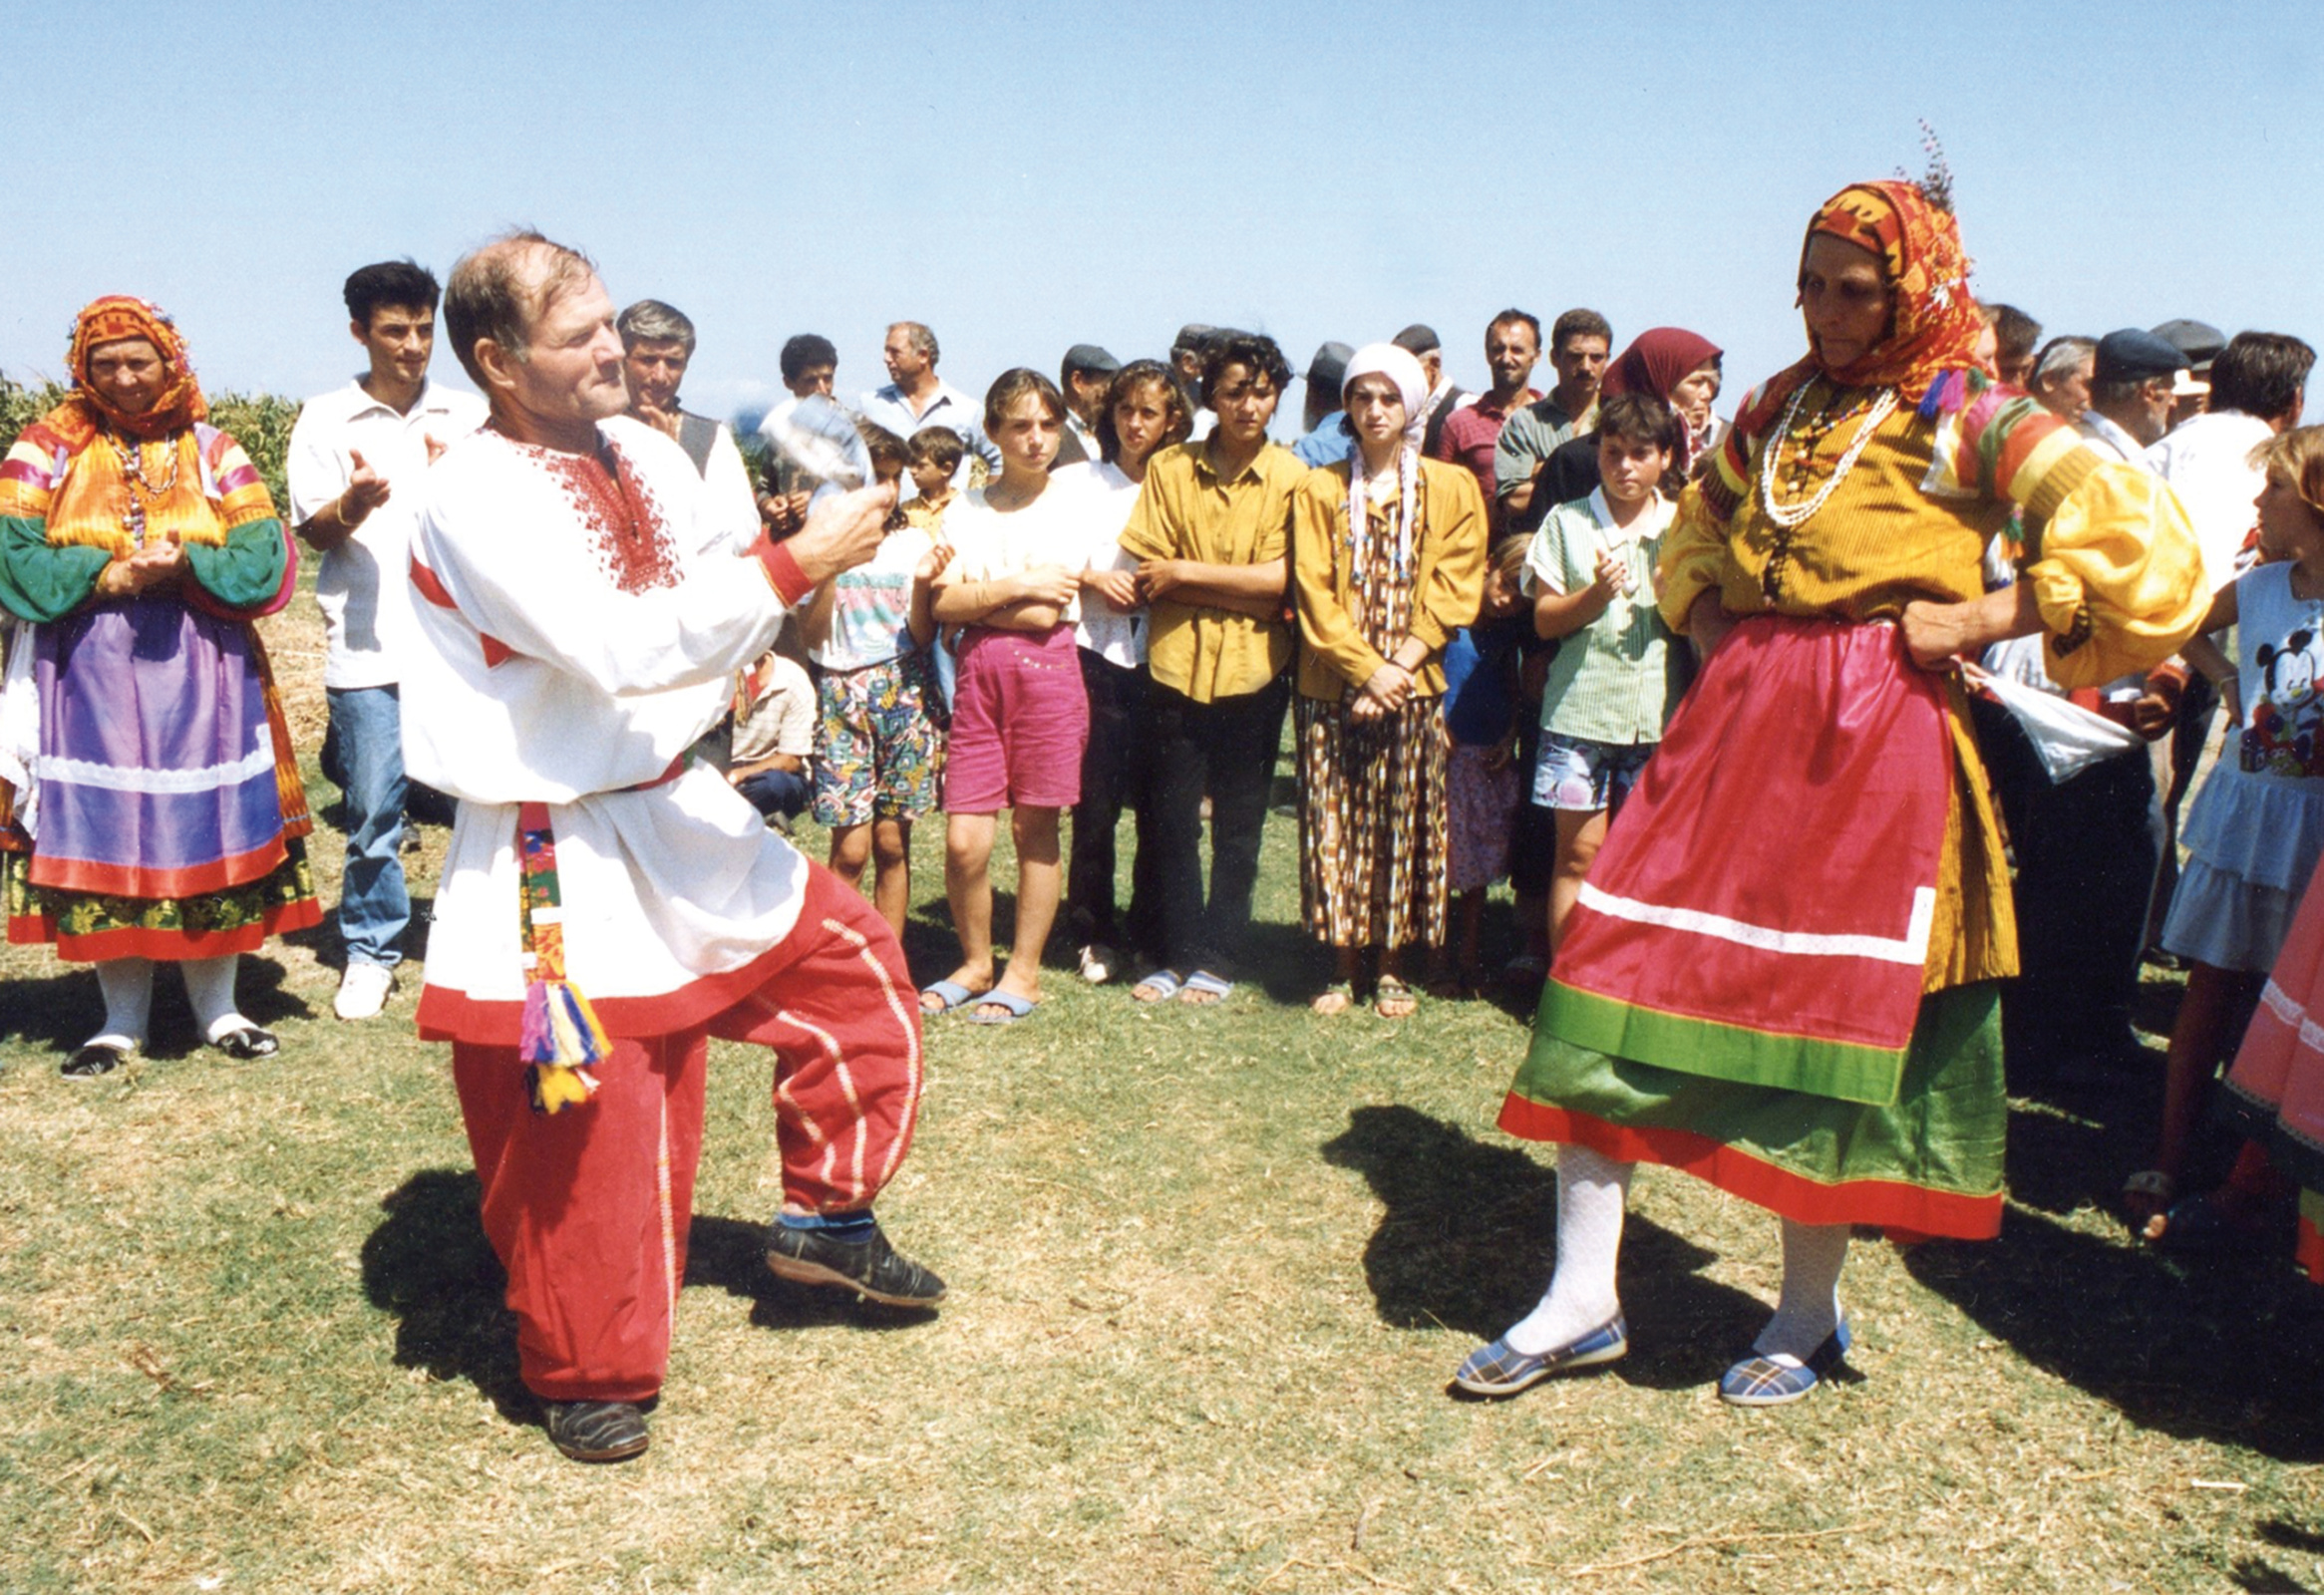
(2256, 830)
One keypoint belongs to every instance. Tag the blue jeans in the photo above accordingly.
(373, 906)
(776, 792)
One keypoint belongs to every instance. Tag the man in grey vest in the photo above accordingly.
(657, 345)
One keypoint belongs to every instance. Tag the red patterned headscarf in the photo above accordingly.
(1658, 360)
(1936, 323)
(107, 320)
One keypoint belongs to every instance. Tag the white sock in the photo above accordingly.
(127, 985)
(1591, 1188)
(1809, 1310)
(210, 988)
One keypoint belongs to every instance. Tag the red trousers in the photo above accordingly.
(588, 1208)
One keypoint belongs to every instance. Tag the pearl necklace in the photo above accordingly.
(1790, 515)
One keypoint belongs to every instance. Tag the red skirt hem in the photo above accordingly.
(96, 879)
(1907, 1210)
(164, 946)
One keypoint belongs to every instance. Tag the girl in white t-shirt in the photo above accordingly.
(1144, 410)
(1019, 715)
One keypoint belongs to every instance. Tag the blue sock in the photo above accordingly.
(852, 1227)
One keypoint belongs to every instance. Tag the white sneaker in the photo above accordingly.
(363, 991)
(1098, 964)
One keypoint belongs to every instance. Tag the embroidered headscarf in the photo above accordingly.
(108, 320)
(1934, 325)
(100, 477)
(1657, 360)
(1412, 385)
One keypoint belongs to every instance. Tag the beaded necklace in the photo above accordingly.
(1788, 516)
(1360, 521)
(133, 469)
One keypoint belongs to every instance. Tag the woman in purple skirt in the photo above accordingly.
(153, 807)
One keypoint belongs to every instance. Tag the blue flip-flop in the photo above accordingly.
(1163, 983)
(950, 993)
(1018, 1007)
(1216, 987)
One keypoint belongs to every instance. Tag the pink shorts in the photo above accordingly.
(1020, 719)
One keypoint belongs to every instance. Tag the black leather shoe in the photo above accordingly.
(98, 1058)
(248, 1043)
(595, 1432)
(869, 1267)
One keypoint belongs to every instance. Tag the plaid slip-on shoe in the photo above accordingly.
(1760, 1380)
(1501, 1369)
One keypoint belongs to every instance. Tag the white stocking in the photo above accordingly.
(1591, 1190)
(127, 985)
(1809, 1311)
(210, 988)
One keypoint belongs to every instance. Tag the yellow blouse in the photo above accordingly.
(1447, 581)
(2114, 564)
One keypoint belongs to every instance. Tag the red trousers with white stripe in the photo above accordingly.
(588, 1208)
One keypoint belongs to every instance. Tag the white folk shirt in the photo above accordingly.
(2206, 459)
(560, 662)
(361, 585)
(1106, 496)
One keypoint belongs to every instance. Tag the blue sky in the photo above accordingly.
(1023, 176)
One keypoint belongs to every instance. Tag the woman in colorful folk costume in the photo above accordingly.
(156, 808)
(1803, 1012)
(1387, 563)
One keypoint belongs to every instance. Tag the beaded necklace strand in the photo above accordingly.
(1790, 515)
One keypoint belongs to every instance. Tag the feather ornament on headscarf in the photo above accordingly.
(1934, 327)
(108, 320)
(1412, 385)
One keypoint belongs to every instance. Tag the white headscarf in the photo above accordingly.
(1412, 385)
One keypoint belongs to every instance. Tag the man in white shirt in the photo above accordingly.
(915, 396)
(608, 904)
(358, 457)
(657, 345)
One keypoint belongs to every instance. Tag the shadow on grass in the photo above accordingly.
(2225, 1349)
(430, 1265)
(730, 1254)
(57, 1011)
(2264, 1578)
(330, 949)
(1467, 1245)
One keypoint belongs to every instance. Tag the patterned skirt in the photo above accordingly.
(1372, 825)
(168, 817)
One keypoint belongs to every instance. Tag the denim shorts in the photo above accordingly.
(1581, 776)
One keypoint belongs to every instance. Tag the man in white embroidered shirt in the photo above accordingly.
(608, 904)
(359, 456)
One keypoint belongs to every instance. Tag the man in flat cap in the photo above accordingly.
(1086, 372)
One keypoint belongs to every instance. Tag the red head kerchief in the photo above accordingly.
(1657, 360)
(102, 321)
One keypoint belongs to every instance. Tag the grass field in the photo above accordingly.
(1211, 1270)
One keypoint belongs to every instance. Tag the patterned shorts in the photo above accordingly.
(877, 751)
(1582, 777)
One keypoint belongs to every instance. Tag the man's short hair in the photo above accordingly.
(400, 283)
(493, 295)
(1581, 324)
(1127, 381)
(2262, 373)
(1514, 318)
(1195, 338)
(804, 350)
(2014, 332)
(918, 337)
(1419, 339)
(936, 445)
(2061, 355)
(1639, 418)
(651, 321)
(1255, 350)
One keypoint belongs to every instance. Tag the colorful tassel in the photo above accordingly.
(559, 1037)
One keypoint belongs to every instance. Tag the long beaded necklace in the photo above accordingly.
(1788, 516)
(133, 469)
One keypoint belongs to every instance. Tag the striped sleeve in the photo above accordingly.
(242, 491)
(28, 475)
